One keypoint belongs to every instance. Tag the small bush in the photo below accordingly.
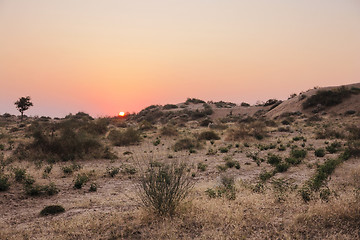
(320, 152)
(298, 153)
(282, 167)
(93, 187)
(163, 187)
(208, 135)
(124, 138)
(113, 171)
(52, 210)
(4, 184)
(168, 131)
(333, 147)
(80, 180)
(186, 144)
(170, 106)
(20, 174)
(264, 176)
(273, 159)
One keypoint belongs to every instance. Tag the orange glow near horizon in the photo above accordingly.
(121, 114)
(71, 56)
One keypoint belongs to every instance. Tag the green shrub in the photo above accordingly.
(333, 147)
(4, 183)
(113, 171)
(80, 180)
(93, 187)
(223, 149)
(163, 187)
(328, 98)
(264, 176)
(323, 172)
(298, 153)
(67, 170)
(320, 152)
(124, 138)
(208, 135)
(282, 167)
(273, 159)
(52, 210)
(293, 161)
(20, 174)
(37, 190)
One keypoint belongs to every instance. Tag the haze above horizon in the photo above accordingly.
(103, 57)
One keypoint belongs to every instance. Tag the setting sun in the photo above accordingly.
(121, 114)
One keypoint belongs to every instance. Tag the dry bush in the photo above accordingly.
(164, 186)
(208, 135)
(168, 130)
(254, 129)
(124, 138)
(186, 144)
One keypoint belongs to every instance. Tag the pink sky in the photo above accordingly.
(103, 57)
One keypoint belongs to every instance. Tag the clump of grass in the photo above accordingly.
(52, 210)
(69, 169)
(163, 187)
(37, 190)
(255, 129)
(124, 138)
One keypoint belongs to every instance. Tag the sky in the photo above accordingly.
(103, 57)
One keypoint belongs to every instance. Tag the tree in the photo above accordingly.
(23, 104)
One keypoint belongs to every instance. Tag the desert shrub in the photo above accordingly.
(202, 166)
(163, 187)
(298, 153)
(205, 122)
(328, 98)
(170, 106)
(333, 147)
(354, 132)
(70, 168)
(282, 147)
(69, 145)
(222, 104)
(305, 193)
(273, 159)
(4, 182)
(254, 129)
(208, 135)
(113, 171)
(293, 161)
(124, 138)
(168, 131)
(328, 132)
(52, 210)
(37, 190)
(93, 187)
(282, 167)
(194, 101)
(146, 125)
(20, 174)
(353, 149)
(320, 152)
(223, 149)
(97, 127)
(218, 126)
(186, 144)
(323, 172)
(264, 176)
(80, 180)
(244, 104)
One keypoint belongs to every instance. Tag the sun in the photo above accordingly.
(121, 114)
